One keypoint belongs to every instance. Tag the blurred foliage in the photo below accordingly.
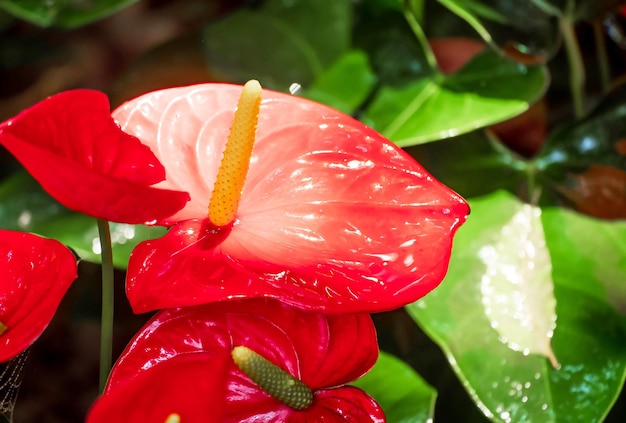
(67, 14)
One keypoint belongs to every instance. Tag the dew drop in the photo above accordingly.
(96, 248)
(294, 88)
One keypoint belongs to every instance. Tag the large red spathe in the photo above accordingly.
(35, 273)
(333, 216)
(180, 362)
(72, 146)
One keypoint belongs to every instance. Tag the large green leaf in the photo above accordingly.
(24, 206)
(281, 43)
(510, 25)
(404, 396)
(67, 14)
(487, 90)
(588, 259)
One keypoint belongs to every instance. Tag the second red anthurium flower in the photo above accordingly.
(243, 362)
(70, 144)
(332, 216)
(35, 273)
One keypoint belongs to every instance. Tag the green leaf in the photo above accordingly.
(588, 260)
(487, 90)
(24, 206)
(585, 163)
(281, 43)
(346, 84)
(598, 139)
(510, 26)
(402, 393)
(516, 287)
(65, 14)
(397, 56)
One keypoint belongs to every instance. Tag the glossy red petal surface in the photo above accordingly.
(323, 351)
(165, 389)
(341, 405)
(72, 146)
(35, 273)
(333, 217)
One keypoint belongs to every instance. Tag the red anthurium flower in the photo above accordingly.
(332, 216)
(72, 146)
(35, 273)
(182, 367)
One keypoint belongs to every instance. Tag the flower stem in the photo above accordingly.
(106, 321)
(576, 65)
(533, 191)
(602, 55)
(420, 35)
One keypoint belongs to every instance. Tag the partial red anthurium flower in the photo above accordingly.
(70, 144)
(35, 273)
(243, 362)
(332, 217)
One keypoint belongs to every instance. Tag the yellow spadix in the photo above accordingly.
(233, 169)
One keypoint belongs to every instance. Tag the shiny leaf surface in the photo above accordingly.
(322, 351)
(487, 90)
(35, 273)
(279, 44)
(25, 207)
(63, 13)
(588, 264)
(332, 216)
(70, 144)
(517, 288)
(404, 396)
(585, 163)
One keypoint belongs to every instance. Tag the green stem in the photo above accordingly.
(106, 322)
(576, 65)
(419, 34)
(533, 191)
(602, 55)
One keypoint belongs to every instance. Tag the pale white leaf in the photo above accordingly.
(517, 288)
